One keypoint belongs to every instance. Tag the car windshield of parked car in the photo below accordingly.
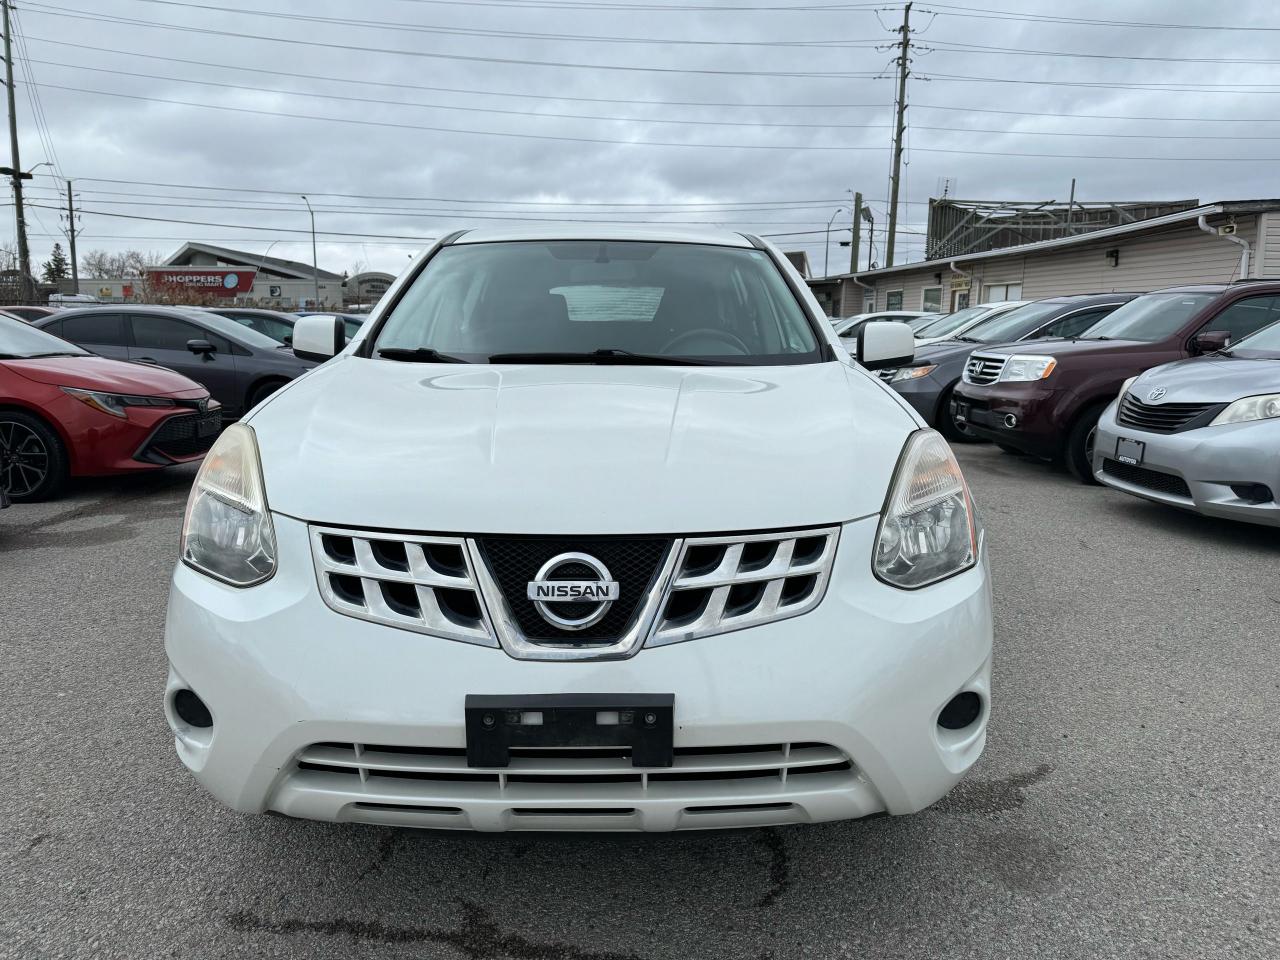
(951, 322)
(1007, 327)
(1149, 318)
(18, 341)
(919, 323)
(1265, 344)
(273, 327)
(591, 300)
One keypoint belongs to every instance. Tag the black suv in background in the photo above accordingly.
(238, 366)
(1045, 398)
(927, 383)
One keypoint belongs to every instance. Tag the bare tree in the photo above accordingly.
(128, 264)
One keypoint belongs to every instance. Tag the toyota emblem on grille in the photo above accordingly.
(1156, 394)
(573, 601)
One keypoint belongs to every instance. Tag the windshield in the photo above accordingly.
(276, 328)
(1149, 318)
(690, 302)
(952, 322)
(1265, 341)
(924, 320)
(1014, 325)
(19, 341)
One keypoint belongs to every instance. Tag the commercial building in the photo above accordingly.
(205, 273)
(1209, 243)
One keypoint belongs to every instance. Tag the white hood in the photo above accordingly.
(579, 449)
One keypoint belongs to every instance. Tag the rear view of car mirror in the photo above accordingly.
(884, 344)
(319, 337)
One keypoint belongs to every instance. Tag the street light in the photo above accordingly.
(826, 251)
(315, 266)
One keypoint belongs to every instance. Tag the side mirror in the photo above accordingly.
(885, 344)
(1210, 342)
(200, 347)
(319, 337)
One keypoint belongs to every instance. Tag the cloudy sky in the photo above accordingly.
(401, 119)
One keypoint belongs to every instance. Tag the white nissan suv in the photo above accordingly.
(583, 531)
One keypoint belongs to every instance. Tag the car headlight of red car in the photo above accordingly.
(114, 404)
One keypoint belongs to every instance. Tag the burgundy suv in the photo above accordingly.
(1044, 398)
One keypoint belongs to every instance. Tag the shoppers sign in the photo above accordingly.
(209, 281)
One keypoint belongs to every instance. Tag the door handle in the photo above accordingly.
(147, 360)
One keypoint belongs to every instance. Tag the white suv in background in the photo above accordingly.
(583, 531)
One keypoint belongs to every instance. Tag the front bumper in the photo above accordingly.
(1209, 462)
(1025, 416)
(924, 395)
(865, 674)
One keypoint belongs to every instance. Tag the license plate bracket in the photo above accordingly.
(645, 722)
(961, 411)
(1130, 451)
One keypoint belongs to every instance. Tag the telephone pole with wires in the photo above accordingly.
(71, 239)
(899, 130)
(15, 169)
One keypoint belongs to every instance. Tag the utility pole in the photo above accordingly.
(24, 255)
(899, 128)
(1071, 206)
(71, 239)
(857, 232)
(315, 264)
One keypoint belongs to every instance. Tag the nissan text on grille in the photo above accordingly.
(584, 529)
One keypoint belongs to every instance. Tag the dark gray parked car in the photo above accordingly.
(272, 323)
(237, 365)
(928, 381)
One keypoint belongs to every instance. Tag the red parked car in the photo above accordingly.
(65, 412)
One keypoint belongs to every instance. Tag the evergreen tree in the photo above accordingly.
(56, 267)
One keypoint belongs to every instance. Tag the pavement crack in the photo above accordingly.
(387, 847)
(478, 937)
(35, 841)
(779, 865)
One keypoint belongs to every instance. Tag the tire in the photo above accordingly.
(1079, 450)
(947, 425)
(261, 392)
(33, 461)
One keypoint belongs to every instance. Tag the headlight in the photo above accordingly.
(1028, 368)
(912, 373)
(227, 531)
(1265, 407)
(113, 404)
(929, 530)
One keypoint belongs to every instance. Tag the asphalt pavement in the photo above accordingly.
(1128, 804)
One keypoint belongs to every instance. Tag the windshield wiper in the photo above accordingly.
(603, 355)
(967, 339)
(418, 355)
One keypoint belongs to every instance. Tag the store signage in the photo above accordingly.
(210, 281)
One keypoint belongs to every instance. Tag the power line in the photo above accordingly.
(78, 14)
(948, 46)
(401, 26)
(466, 109)
(983, 13)
(1234, 88)
(479, 133)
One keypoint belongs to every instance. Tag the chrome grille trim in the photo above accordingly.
(714, 614)
(984, 368)
(422, 577)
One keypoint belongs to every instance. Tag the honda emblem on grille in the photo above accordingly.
(551, 595)
(203, 404)
(1156, 394)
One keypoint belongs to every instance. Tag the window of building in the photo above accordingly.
(994, 292)
(931, 300)
(893, 300)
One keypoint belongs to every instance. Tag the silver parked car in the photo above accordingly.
(1201, 434)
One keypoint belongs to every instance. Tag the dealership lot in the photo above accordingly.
(1126, 805)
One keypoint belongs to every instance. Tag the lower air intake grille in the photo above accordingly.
(1147, 479)
(608, 768)
(182, 437)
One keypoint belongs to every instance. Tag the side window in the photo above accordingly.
(1073, 324)
(1245, 317)
(155, 331)
(93, 329)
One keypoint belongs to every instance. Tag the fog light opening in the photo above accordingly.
(191, 710)
(1253, 492)
(1010, 421)
(962, 710)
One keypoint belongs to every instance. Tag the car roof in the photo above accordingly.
(651, 234)
(1268, 285)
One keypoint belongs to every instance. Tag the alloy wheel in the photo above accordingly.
(24, 459)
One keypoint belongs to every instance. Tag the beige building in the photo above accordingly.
(1212, 243)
